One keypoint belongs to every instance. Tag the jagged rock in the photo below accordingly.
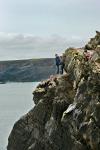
(94, 42)
(66, 115)
(70, 108)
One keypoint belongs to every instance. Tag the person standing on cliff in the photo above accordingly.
(62, 64)
(57, 60)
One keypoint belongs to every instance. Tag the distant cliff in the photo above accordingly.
(26, 70)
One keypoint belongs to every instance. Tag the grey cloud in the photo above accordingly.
(18, 46)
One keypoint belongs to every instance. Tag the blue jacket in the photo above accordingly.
(57, 59)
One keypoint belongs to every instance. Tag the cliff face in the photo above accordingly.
(66, 115)
(26, 70)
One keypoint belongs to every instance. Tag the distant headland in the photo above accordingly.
(29, 70)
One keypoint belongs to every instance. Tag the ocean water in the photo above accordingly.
(15, 101)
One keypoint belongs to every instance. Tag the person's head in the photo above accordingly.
(61, 56)
(56, 55)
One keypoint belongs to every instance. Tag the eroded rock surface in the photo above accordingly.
(66, 115)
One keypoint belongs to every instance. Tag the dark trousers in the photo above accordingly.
(62, 68)
(57, 66)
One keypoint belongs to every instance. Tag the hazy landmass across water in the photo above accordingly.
(29, 70)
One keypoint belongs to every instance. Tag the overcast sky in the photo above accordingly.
(41, 28)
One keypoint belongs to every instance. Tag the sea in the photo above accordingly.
(16, 99)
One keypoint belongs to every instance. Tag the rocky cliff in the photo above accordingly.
(26, 70)
(66, 115)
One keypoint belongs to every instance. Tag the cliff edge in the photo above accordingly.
(66, 115)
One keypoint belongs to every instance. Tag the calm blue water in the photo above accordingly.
(15, 101)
